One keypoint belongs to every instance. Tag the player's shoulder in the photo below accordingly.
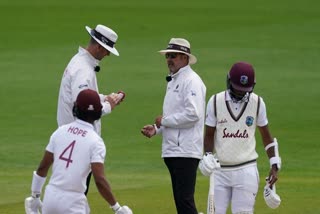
(255, 96)
(192, 79)
(95, 141)
(78, 63)
(192, 75)
(61, 129)
(219, 94)
(214, 97)
(94, 135)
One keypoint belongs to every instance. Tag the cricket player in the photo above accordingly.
(231, 120)
(74, 150)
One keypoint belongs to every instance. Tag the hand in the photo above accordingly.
(120, 97)
(112, 100)
(148, 131)
(208, 164)
(32, 205)
(157, 121)
(124, 210)
(273, 176)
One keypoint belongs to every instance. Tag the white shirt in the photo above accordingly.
(183, 115)
(78, 75)
(235, 123)
(211, 119)
(74, 146)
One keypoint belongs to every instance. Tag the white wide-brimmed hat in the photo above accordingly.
(105, 36)
(179, 45)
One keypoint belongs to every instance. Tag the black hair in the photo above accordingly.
(86, 115)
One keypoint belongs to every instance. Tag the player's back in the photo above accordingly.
(75, 146)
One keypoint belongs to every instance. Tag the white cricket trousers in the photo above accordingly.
(238, 186)
(56, 201)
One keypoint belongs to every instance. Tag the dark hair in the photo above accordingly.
(85, 115)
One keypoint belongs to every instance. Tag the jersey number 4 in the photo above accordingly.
(67, 153)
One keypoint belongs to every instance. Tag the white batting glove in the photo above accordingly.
(124, 210)
(208, 164)
(270, 196)
(121, 209)
(33, 205)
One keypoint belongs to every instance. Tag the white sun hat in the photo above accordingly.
(105, 36)
(180, 45)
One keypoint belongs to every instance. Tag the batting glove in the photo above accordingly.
(33, 204)
(270, 196)
(121, 209)
(124, 210)
(208, 164)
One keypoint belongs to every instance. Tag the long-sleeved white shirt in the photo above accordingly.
(183, 115)
(78, 75)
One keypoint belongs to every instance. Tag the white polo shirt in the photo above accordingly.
(78, 75)
(74, 146)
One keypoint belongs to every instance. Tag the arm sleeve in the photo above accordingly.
(192, 109)
(262, 119)
(211, 119)
(106, 107)
(50, 146)
(98, 152)
(159, 130)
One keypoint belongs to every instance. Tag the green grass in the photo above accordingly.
(280, 38)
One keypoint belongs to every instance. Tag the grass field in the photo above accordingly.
(280, 38)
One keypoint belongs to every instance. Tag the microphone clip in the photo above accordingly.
(168, 78)
(97, 68)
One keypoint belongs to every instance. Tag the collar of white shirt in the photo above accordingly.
(82, 122)
(244, 99)
(181, 70)
(93, 61)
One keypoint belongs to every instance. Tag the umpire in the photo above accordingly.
(181, 123)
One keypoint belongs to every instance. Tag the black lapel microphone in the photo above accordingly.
(168, 78)
(97, 68)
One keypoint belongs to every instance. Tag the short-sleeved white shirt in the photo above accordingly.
(211, 119)
(74, 146)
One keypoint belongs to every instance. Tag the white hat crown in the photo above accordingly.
(180, 45)
(105, 36)
(107, 32)
(179, 41)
